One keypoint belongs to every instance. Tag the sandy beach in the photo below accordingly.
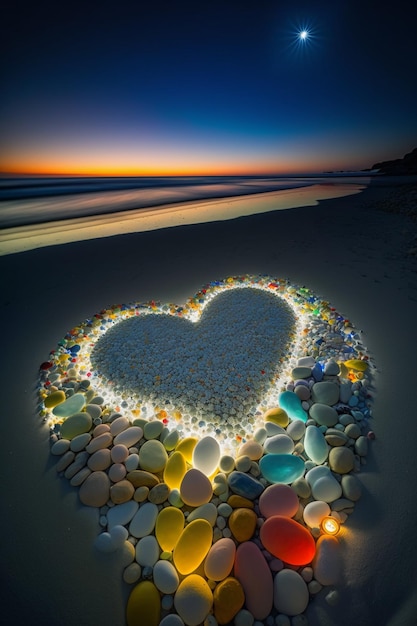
(356, 251)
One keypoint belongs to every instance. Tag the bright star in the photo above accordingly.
(303, 35)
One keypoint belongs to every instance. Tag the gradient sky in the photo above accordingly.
(216, 87)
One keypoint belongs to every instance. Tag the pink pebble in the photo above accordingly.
(117, 472)
(100, 429)
(278, 499)
(119, 453)
(254, 574)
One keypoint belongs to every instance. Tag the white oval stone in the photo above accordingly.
(279, 444)
(327, 489)
(121, 514)
(290, 592)
(315, 445)
(144, 520)
(147, 551)
(314, 512)
(165, 577)
(206, 455)
(129, 437)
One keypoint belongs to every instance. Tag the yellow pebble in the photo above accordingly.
(193, 546)
(144, 605)
(174, 470)
(186, 447)
(169, 526)
(193, 600)
(277, 416)
(54, 399)
(242, 523)
(357, 364)
(236, 502)
(228, 600)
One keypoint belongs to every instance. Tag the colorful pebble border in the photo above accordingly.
(321, 333)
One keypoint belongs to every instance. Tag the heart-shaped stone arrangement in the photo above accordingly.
(221, 442)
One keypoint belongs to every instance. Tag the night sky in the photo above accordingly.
(217, 87)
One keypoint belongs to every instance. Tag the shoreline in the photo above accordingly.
(347, 252)
(24, 238)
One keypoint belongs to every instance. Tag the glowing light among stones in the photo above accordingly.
(303, 35)
(330, 526)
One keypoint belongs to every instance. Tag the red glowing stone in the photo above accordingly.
(288, 540)
(46, 365)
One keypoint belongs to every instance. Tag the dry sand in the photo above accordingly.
(348, 251)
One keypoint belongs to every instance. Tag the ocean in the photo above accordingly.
(36, 200)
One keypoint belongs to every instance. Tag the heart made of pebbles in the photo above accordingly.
(220, 440)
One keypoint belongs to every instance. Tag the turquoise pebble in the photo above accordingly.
(72, 405)
(291, 403)
(281, 468)
(244, 485)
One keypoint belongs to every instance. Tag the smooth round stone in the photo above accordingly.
(302, 392)
(152, 456)
(195, 488)
(227, 464)
(140, 478)
(152, 430)
(252, 449)
(291, 594)
(327, 562)
(175, 470)
(278, 499)
(132, 573)
(119, 453)
(243, 463)
(273, 429)
(168, 528)
(193, 600)
(65, 461)
(132, 462)
(144, 520)
(129, 437)
(117, 472)
(70, 406)
(291, 404)
(315, 473)
(341, 460)
(147, 551)
(244, 485)
(242, 523)
(306, 361)
(323, 414)
(326, 488)
(192, 546)
(206, 455)
(186, 447)
(331, 368)
(279, 444)
(281, 468)
(345, 392)
(121, 492)
(301, 488)
(206, 511)
(121, 514)
(55, 398)
(315, 445)
(171, 440)
(253, 573)
(60, 447)
(98, 443)
(288, 540)
(165, 577)
(361, 446)
(141, 494)
(79, 442)
(351, 487)
(104, 543)
(94, 410)
(95, 490)
(236, 502)
(317, 372)
(277, 415)
(159, 493)
(352, 431)
(119, 425)
(296, 430)
(314, 512)
(100, 429)
(80, 477)
(228, 600)
(220, 559)
(144, 605)
(300, 372)
(325, 392)
(77, 424)
(335, 437)
(100, 460)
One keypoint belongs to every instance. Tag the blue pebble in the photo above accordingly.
(281, 468)
(317, 373)
(244, 485)
(291, 404)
